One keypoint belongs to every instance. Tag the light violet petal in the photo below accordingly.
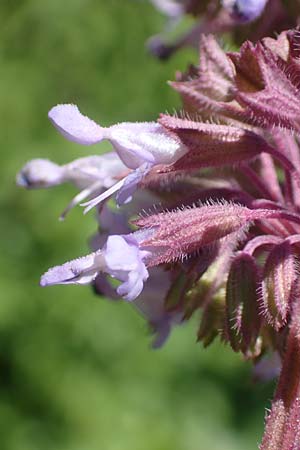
(40, 173)
(131, 183)
(75, 126)
(124, 261)
(170, 8)
(245, 10)
(119, 255)
(137, 143)
(131, 288)
(78, 271)
(107, 168)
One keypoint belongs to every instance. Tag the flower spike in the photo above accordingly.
(218, 199)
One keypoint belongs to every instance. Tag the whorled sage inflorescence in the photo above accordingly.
(223, 236)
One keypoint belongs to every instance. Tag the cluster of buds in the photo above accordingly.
(208, 215)
(252, 19)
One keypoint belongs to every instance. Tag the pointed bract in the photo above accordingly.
(278, 284)
(177, 234)
(211, 145)
(266, 92)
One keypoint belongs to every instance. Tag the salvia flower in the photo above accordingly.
(92, 175)
(252, 19)
(171, 8)
(130, 269)
(223, 234)
(245, 10)
(140, 146)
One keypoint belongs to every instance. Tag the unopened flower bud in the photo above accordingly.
(182, 232)
(211, 145)
(212, 319)
(242, 320)
(278, 284)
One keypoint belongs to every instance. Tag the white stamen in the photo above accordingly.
(91, 203)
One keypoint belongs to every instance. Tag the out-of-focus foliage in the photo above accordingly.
(76, 372)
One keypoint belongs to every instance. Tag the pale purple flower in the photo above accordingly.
(39, 174)
(124, 261)
(261, 17)
(139, 145)
(82, 172)
(92, 175)
(121, 258)
(245, 10)
(171, 8)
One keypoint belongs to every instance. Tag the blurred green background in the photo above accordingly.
(76, 371)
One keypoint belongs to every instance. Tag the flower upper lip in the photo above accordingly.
(140, 146)
(135, 142)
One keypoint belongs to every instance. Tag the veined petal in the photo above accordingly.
(75, 126)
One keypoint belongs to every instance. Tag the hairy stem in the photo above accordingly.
(282, 425)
